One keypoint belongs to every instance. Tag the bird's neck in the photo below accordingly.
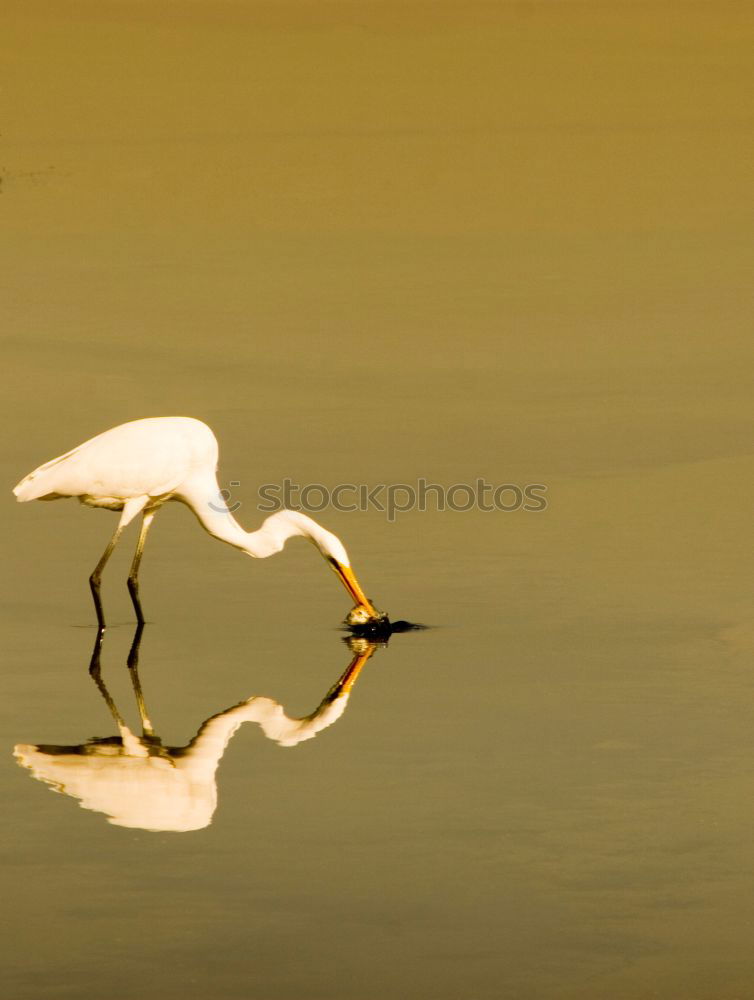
(212, 510)
(203, 754)
(216, 517)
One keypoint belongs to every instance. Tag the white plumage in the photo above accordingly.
(138, 466)
(139, 783)
(144, 458)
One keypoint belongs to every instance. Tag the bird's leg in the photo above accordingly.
(133, 669)
(133, 576)
(96, 578)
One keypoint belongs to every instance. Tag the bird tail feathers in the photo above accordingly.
(39, 485)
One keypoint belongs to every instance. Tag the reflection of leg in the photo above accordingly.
(96, 578)
(133, 669)
(362, 650)
(94, 665)
(96, 675)
(133, 576)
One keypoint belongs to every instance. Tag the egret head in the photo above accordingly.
(284, 524)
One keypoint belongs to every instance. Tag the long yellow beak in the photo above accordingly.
(349, 581)
(362, 653)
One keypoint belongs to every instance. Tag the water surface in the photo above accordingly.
(368, 243)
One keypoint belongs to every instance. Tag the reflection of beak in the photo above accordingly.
(349, 581)
(362, 652)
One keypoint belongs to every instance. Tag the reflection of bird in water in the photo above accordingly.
(137, 467)
(138, 782)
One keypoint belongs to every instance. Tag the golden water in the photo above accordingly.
(369, 243)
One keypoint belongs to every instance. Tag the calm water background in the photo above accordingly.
(367, 243)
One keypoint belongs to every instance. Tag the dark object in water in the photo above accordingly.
(382, 628)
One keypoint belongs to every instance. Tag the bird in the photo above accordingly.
(138, 466)
(138, 782)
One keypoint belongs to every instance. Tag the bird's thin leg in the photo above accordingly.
(133, 669)
(96, 578)
(133, 576)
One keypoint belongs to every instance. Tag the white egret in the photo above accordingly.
(138, 782)
(138, 466)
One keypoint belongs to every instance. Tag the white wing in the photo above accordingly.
(150, 457)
